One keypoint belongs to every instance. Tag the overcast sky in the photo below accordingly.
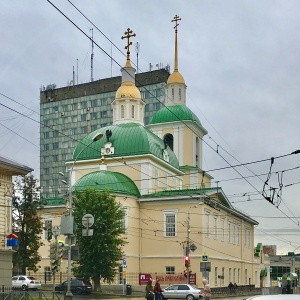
(240, 61)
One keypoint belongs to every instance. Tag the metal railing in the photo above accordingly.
(9, 293)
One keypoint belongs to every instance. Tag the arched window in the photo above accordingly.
(179, 94)
(168, 140)
(122, 111)
(172, 93)
(132, 111)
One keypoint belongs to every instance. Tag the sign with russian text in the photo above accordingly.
(144, 278)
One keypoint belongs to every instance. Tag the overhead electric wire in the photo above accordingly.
(204, 141)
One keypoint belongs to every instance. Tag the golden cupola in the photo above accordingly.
(128, 105)
(176, 88)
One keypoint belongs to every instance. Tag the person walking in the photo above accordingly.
(157, 291)
(149, 291)
(206, 290)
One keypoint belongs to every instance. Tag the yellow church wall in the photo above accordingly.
(188, 147)
(222, 253)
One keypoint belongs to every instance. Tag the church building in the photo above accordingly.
(155, 172)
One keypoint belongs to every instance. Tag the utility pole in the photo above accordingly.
(55, 232)
(187, 258)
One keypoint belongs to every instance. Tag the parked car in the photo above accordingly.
(182, 291)
(25, 283)
(78, 286)
(275, 297)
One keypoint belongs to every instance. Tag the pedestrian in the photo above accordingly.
(235, 287)
(230, 287)
(157, 291)
(206, 290)
(288, 288)
(149, 290)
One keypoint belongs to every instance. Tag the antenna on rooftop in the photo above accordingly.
(92, 55)
(73, 76)
(137, 50)
(77, 71)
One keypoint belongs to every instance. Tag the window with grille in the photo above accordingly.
(170, 270)
(170, 223)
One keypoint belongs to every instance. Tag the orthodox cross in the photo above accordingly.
(176, 19)
(128, 35)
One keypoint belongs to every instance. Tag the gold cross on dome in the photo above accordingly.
(128, 35)
(176, 19)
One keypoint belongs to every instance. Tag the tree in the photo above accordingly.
(100, 254)
(26, 223)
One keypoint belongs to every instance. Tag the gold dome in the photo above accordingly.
(128, 90)
(175, 77)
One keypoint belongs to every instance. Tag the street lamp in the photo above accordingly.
(68, 221)
(187, 251)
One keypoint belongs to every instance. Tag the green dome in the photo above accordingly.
(174, 113)
(114, 182)
(127, 139)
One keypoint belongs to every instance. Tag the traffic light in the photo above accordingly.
(54, 265)
(185, 273)
(60, 251)
(187, 261)
(53, 251)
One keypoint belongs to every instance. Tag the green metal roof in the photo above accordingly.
(127, 139)
(113, 182)
(185, 192)
(54, 201)
(174, 113)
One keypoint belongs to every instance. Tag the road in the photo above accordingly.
(94, 296)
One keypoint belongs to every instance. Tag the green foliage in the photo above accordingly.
(27, 223)
(100, 254)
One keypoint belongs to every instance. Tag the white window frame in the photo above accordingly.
(223, 229)
(170, 270)
(170, 213)
(215, 227)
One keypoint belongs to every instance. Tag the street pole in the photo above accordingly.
(188, 246)
(55, 232)
(188, 241)
(69, 295)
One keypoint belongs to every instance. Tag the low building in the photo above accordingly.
(8, 169)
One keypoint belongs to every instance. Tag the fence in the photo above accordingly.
(8, 293)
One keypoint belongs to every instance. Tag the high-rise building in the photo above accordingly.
(69, 113)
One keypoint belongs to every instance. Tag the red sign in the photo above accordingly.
(144, 278)
(12, 236)
(192, 279)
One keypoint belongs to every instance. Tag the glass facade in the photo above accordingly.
(67, 114)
